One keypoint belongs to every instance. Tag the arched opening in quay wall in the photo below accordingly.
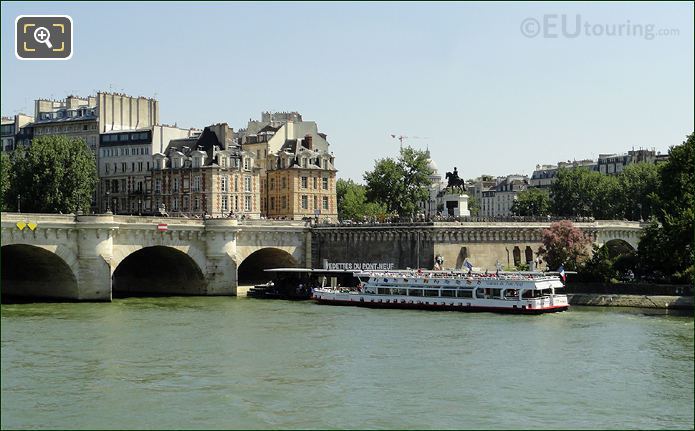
(251, 269)
(158, 271)
(30, 272)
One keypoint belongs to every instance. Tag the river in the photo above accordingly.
(202, 362)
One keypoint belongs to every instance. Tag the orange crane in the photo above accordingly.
(401, 137)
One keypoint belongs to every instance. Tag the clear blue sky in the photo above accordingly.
(490, 99)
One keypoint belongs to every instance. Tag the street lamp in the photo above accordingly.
(19, 199)
(139, 206)
(107, 200)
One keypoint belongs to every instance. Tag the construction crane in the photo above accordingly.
(401, 137)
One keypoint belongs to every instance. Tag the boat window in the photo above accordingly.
(480, 293)
(399, 291)
(496, 293)
(465, 293)
(431, 292)
(449, 293)
(383, 291)
(415, 292)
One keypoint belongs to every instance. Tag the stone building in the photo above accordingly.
(206, 175)
(125, 162)
(12, 131)
(297, 173)
(87, 118)
(497, 201)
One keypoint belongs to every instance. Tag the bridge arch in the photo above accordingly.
(251, 268)
(617, 247)
(30, 271)
(158, 270)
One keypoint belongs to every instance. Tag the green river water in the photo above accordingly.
(225, 362)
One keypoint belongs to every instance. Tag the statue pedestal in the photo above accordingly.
(456, 205)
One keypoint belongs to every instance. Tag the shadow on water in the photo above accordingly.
(634, 311)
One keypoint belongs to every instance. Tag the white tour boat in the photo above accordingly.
(513, 292)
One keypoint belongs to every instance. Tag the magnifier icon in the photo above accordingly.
(42, 35)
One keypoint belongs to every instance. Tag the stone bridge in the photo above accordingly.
(483, 243)
(97, 257)
(92, 257)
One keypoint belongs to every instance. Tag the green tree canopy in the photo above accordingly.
(584, 193)
(473, 206)
(5, 169)
(353, 204)
(667, 243)
(400, 184)
(638, 186)
(531, 202)
(55, 174)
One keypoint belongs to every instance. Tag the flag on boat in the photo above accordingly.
(468, 264)
(561, 270)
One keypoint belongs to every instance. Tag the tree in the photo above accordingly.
(638, 184)
(565, 244)
(531, 202)
(666, 244)
(400, 184)
(5, 168)
(55, 174)
(584, 193)
(473, 206)
(353, 204)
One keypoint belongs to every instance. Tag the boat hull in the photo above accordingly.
(441, 307)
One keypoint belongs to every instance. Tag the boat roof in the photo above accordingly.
(311, 271)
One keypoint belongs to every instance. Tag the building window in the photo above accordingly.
(283, 200)
(176, 185)
(272, 184)
(247, 184)
(305, 202)
(247, 164)
(123, 166)
(223, 161)
(236, 203)
(223, 183)
(272, 202)
(247, 203)
(158, 185)
(316, 202)
(139, 166)
(225, 203)
(174, 203)
(325, 202)
(304, 182)
(196, 183)
(236, 183)
(324, 183)
(196, 203)
(316, 183)
(283, 183)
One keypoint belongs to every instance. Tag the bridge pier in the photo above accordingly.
(220, 245)
(95, 252)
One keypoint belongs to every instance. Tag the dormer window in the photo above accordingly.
(247, 164)
(223, 161)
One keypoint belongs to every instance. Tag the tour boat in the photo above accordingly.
(511, 292)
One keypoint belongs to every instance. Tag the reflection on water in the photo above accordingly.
(222, 362)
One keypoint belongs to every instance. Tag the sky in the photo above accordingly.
(491, 88)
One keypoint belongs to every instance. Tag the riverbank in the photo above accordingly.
(640, 301)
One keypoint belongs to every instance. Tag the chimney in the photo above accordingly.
(308, 142)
